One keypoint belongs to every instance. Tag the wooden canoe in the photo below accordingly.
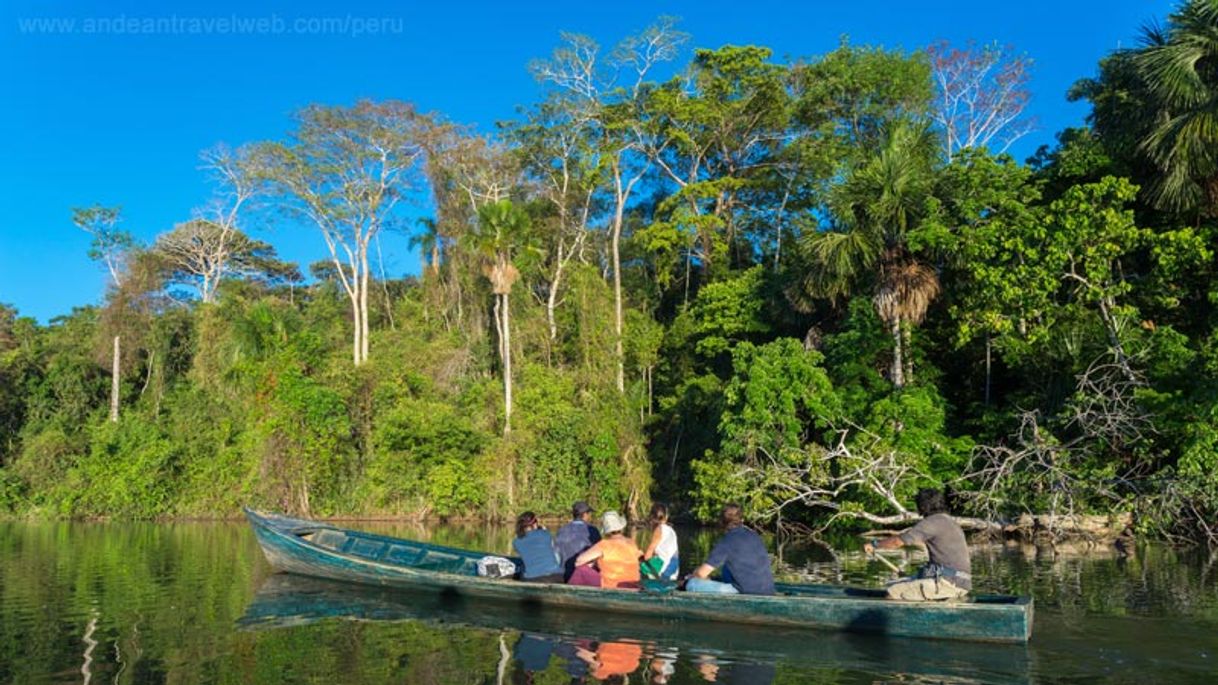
(322, 550)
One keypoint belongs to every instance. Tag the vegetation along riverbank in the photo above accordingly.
(687, 274)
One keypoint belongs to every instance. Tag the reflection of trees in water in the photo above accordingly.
(163, 600)
(86, 668)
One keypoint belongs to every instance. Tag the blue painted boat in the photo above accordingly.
(287, 601)
(322, 550)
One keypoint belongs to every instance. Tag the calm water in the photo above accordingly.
(196, 603)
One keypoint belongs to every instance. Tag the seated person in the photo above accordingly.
(616, 557)
(948, 574)
(578, 535)
(536, 549)
(660, 559)
(741, 554)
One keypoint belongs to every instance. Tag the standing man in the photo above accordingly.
(948, 574)
(741, 554)
(575, 537)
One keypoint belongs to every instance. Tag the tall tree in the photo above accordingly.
(501, 232)
(877, 208)
(981, 94)
(614, 113)
(559, 160)
(466, 172)
(111, 246)
(200, 253)
(840, 105)
(114, 248)
(722, 128)
(348, 170)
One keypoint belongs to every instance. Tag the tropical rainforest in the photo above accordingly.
(682, 274)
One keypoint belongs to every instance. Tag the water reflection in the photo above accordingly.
(144, 603)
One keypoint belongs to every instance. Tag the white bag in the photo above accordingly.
(496, 567)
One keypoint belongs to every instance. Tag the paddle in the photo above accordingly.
(875, 554)
(889, 564)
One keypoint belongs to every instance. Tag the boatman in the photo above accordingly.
(948, 573)
(575, 537)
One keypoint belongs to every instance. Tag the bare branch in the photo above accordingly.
(982, 94)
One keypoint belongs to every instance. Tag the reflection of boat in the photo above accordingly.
(285, 600)
(319, 549)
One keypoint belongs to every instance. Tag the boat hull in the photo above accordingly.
(303, 547)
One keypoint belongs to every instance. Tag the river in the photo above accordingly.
(196, 603)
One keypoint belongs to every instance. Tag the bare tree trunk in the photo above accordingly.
(380, 260)
(907, 349)
(115, 370)
(505, 350)
(898, 367)
(507, 363)
(689, 258)
(355, 337)
(617, 297)
(1114, 338)
(650, 392)
(151, 366)
(989, 345)
(782, 208)
(552, 298)
(363, 303)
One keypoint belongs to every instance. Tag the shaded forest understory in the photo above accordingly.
(689, 275)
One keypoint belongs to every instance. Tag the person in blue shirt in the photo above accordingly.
(576, 536)
(536, 549)
(741, 555)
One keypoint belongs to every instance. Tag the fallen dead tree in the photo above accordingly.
(880, 477)
(1035, 486)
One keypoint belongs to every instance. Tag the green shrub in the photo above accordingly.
(131, 470)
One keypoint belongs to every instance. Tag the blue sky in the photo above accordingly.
(118, 115)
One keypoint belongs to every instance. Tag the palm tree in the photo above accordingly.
(501, 230)
(430, 242)
(1179, 66)
(876, 208)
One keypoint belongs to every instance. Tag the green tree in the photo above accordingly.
(877, 208)
(347, 170)
(503, 231)
(199, 254)
(1178, 67)
(718, 130)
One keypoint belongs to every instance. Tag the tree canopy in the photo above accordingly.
(683, 273)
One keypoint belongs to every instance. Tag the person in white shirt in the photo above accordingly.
(660, 559)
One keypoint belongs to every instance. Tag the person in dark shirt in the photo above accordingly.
(741, 554)
(536, 549)
(948, 575)
(575, 537)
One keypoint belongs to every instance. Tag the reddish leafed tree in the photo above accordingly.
(981, 95)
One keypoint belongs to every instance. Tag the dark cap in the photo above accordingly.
(579, 508)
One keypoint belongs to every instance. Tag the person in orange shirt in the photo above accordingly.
(616, 557)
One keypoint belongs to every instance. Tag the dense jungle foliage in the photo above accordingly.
(813, 285)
